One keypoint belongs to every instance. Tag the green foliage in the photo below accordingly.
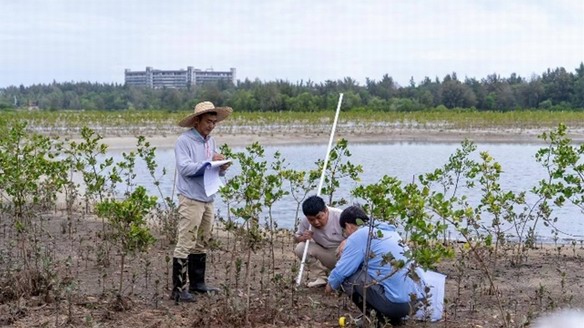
(259, 185)
(563, 162)
(127, 220)
(168, 215)
(126, 170)
(483, 225)
(300, 184)
(127, 217)
(99, 176)
(246, 189)
(338, 168)
(426, 209)
(30, 168)
(406, 206)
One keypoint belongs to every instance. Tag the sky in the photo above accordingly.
(294, 40)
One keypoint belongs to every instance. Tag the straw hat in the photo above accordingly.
(202, 108)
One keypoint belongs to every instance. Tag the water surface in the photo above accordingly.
(402, 160)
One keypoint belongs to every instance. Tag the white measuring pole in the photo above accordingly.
(326, 159)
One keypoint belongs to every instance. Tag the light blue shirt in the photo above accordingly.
(397, 285)
(191, 152)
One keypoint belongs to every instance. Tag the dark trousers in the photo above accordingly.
(376, 300)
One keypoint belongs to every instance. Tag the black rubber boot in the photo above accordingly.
(179, 280)
(197, 268)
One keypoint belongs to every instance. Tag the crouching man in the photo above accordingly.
(386, 288)
(321, 227)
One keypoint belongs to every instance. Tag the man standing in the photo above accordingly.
(194, 149)
(325, 238)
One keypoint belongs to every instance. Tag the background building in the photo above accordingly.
(155, 78)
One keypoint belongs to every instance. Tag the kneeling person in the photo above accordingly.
(325, 237)
(389, 290)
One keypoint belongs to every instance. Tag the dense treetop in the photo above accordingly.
(555, 89)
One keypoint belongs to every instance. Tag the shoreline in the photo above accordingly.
(514, 136)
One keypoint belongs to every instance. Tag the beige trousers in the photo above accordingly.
(318, 259)
(194, 227)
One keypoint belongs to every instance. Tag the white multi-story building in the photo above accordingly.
(154, 78)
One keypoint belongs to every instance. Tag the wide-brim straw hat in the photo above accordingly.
(202, 108)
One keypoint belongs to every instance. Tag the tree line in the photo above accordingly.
(554, 89)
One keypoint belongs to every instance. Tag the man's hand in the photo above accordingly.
(328, 289)
(224, 167)
(305, 236)
(220, 157)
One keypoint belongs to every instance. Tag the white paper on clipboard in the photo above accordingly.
(211, 177)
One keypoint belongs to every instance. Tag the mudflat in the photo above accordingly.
(321, 135)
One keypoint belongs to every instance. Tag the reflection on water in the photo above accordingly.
(402, 160)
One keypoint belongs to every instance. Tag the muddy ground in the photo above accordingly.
(76, 283)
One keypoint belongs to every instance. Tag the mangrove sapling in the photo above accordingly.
(546, 191)
(525, 223)
(29, 164)
(246, 191)
(167, 261)
(55, 176)
(71, 191)
(563, 162)
(145, 260)
(126, 170)
(460, 267)
(337, 169)
(456, 171)
(156, 294)
(148, 154)
(273, 192)
(567, 295)
(169, 214)
(128, 224)
(99, 176)
(300, 183)
(495, 203)
(63, 289)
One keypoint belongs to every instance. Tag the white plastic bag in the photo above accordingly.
(437, 284)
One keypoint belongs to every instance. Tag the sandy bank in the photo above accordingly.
(389, 136)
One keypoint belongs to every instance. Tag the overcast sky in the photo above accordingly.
(318, 40)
